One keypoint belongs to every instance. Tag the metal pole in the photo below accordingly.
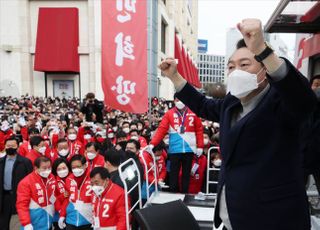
(150, 58)
(45, 84)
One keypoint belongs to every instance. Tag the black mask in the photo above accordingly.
(11, 151)
(122, 144)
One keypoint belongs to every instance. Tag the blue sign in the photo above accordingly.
(202, 46)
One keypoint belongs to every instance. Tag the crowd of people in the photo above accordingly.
(60, 157)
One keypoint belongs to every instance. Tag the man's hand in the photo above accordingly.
(28, 227)
(199, 152)
(251, 30)
(169, 68)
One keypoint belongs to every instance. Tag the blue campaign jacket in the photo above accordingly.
(262, 165)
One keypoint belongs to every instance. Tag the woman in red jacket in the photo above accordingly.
(60, 169)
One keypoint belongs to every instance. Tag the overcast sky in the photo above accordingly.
(217, 16)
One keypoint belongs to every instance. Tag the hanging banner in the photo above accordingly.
(124, 55)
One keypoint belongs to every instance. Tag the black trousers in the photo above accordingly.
(177, 161)
(7, 212)
(84, 227)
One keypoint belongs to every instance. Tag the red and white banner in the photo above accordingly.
(124, 55)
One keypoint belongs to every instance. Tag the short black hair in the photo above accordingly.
(133, 130)
(314, 78)
(159, 147)
(102, 171)
(78, 157)
(241, 44)
(120, 134)
(33, 131)
(114, 156)
(12, 138)
(136, 143)
(62, 140)
(35, 141)
(94, 144)
(40, 160)
(57, 162)
(125, 122)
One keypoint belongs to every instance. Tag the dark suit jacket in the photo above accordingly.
(262, 167)
(21, 168)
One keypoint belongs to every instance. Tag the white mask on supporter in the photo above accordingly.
(64, 152)
(179, 105)
(45, 173)
(42, 150)
(78, 172)
(205, 141)
(110, 135)
(97, 189)
(87, 136)
(240, 83)
(91, 155)
(217, 162)
(126, 130)
(63, 173)
(134, 138)
(72, 137)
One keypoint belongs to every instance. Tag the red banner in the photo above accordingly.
(124, 55)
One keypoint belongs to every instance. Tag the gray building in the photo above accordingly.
(211, 68)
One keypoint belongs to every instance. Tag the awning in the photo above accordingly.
(57, 40)
(293, 16)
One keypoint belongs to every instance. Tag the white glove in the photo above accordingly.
(28, 227)
(61, 223)
(199, 152)
(149, 148)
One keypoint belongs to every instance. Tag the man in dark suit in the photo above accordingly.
(261, 179)
(13, 168)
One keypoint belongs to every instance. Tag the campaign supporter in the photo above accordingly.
(75, 145)
(185, 139)
(60, 169)
(5, 132)
(36, 196)
(94, 158)
(76, 211)
(121, 141)
(92, 109)
(134, 134)
(38, 148)
(25, 147)
(108, 201)
(197, 174)
(133, 151)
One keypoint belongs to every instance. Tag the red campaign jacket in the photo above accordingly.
(60, 199)
(75, 147)
(81, 193)
(24, 148)
(98, 161)
(189, 140)
(35, 200)
(197, 180)
(24, 133)
(109, 209)
(4, 136)
(33, 155)
(53, 155)
(161, 167)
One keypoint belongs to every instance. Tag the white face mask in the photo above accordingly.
(64, 152)
(72, 137)
(97, 189)
(63, 173)
(45, 173)
(205, 141)
(126, 130)
(135, 138)
(240, 83)
(78, 172)
(91, 155)
(42, 150)
(87, 136)
(4, 127)
(217, 162)
(179, 105)
(110, 135)
(115, 129)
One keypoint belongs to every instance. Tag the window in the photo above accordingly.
(163, 36)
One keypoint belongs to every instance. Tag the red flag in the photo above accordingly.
(178, 55)
(124, 55)
(190, 70)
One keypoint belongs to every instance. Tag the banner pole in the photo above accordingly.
(150, 60)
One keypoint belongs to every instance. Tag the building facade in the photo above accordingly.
(211, 68)
(18, 33)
